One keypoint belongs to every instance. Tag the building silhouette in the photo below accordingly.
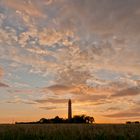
(69, 109)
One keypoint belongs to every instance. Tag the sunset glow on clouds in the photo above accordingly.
(53, 50)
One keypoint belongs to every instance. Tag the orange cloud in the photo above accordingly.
(51, 36)
(29, 7)
(81, 89)
(125, 114)
(48, 108)
(132, 91)
(1, 72)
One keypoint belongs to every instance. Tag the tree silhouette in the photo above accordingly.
(57, 119)
(82, 119)
(89, 119)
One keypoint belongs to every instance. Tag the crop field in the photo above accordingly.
(70, 132)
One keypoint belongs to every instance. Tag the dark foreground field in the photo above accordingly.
(70, 132)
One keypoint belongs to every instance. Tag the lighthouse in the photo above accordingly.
(69, 109)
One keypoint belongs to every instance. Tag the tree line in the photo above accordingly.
(57, 119)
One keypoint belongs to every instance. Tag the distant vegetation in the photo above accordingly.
(57, 119)
(129, 122)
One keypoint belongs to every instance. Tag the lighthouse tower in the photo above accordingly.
(69, 109)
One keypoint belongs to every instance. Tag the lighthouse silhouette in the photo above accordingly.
(69, 109)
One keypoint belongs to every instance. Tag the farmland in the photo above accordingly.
(70, 132)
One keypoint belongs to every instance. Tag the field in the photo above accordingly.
(70, 132)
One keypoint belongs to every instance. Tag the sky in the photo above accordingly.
(55, 50)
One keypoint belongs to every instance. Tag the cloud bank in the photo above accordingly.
(84, 50)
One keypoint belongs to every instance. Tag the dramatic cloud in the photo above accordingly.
(127, 92)
(134, 112)
(81, 89)
(86, 50)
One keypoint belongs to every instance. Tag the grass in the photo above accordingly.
(70, 132)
